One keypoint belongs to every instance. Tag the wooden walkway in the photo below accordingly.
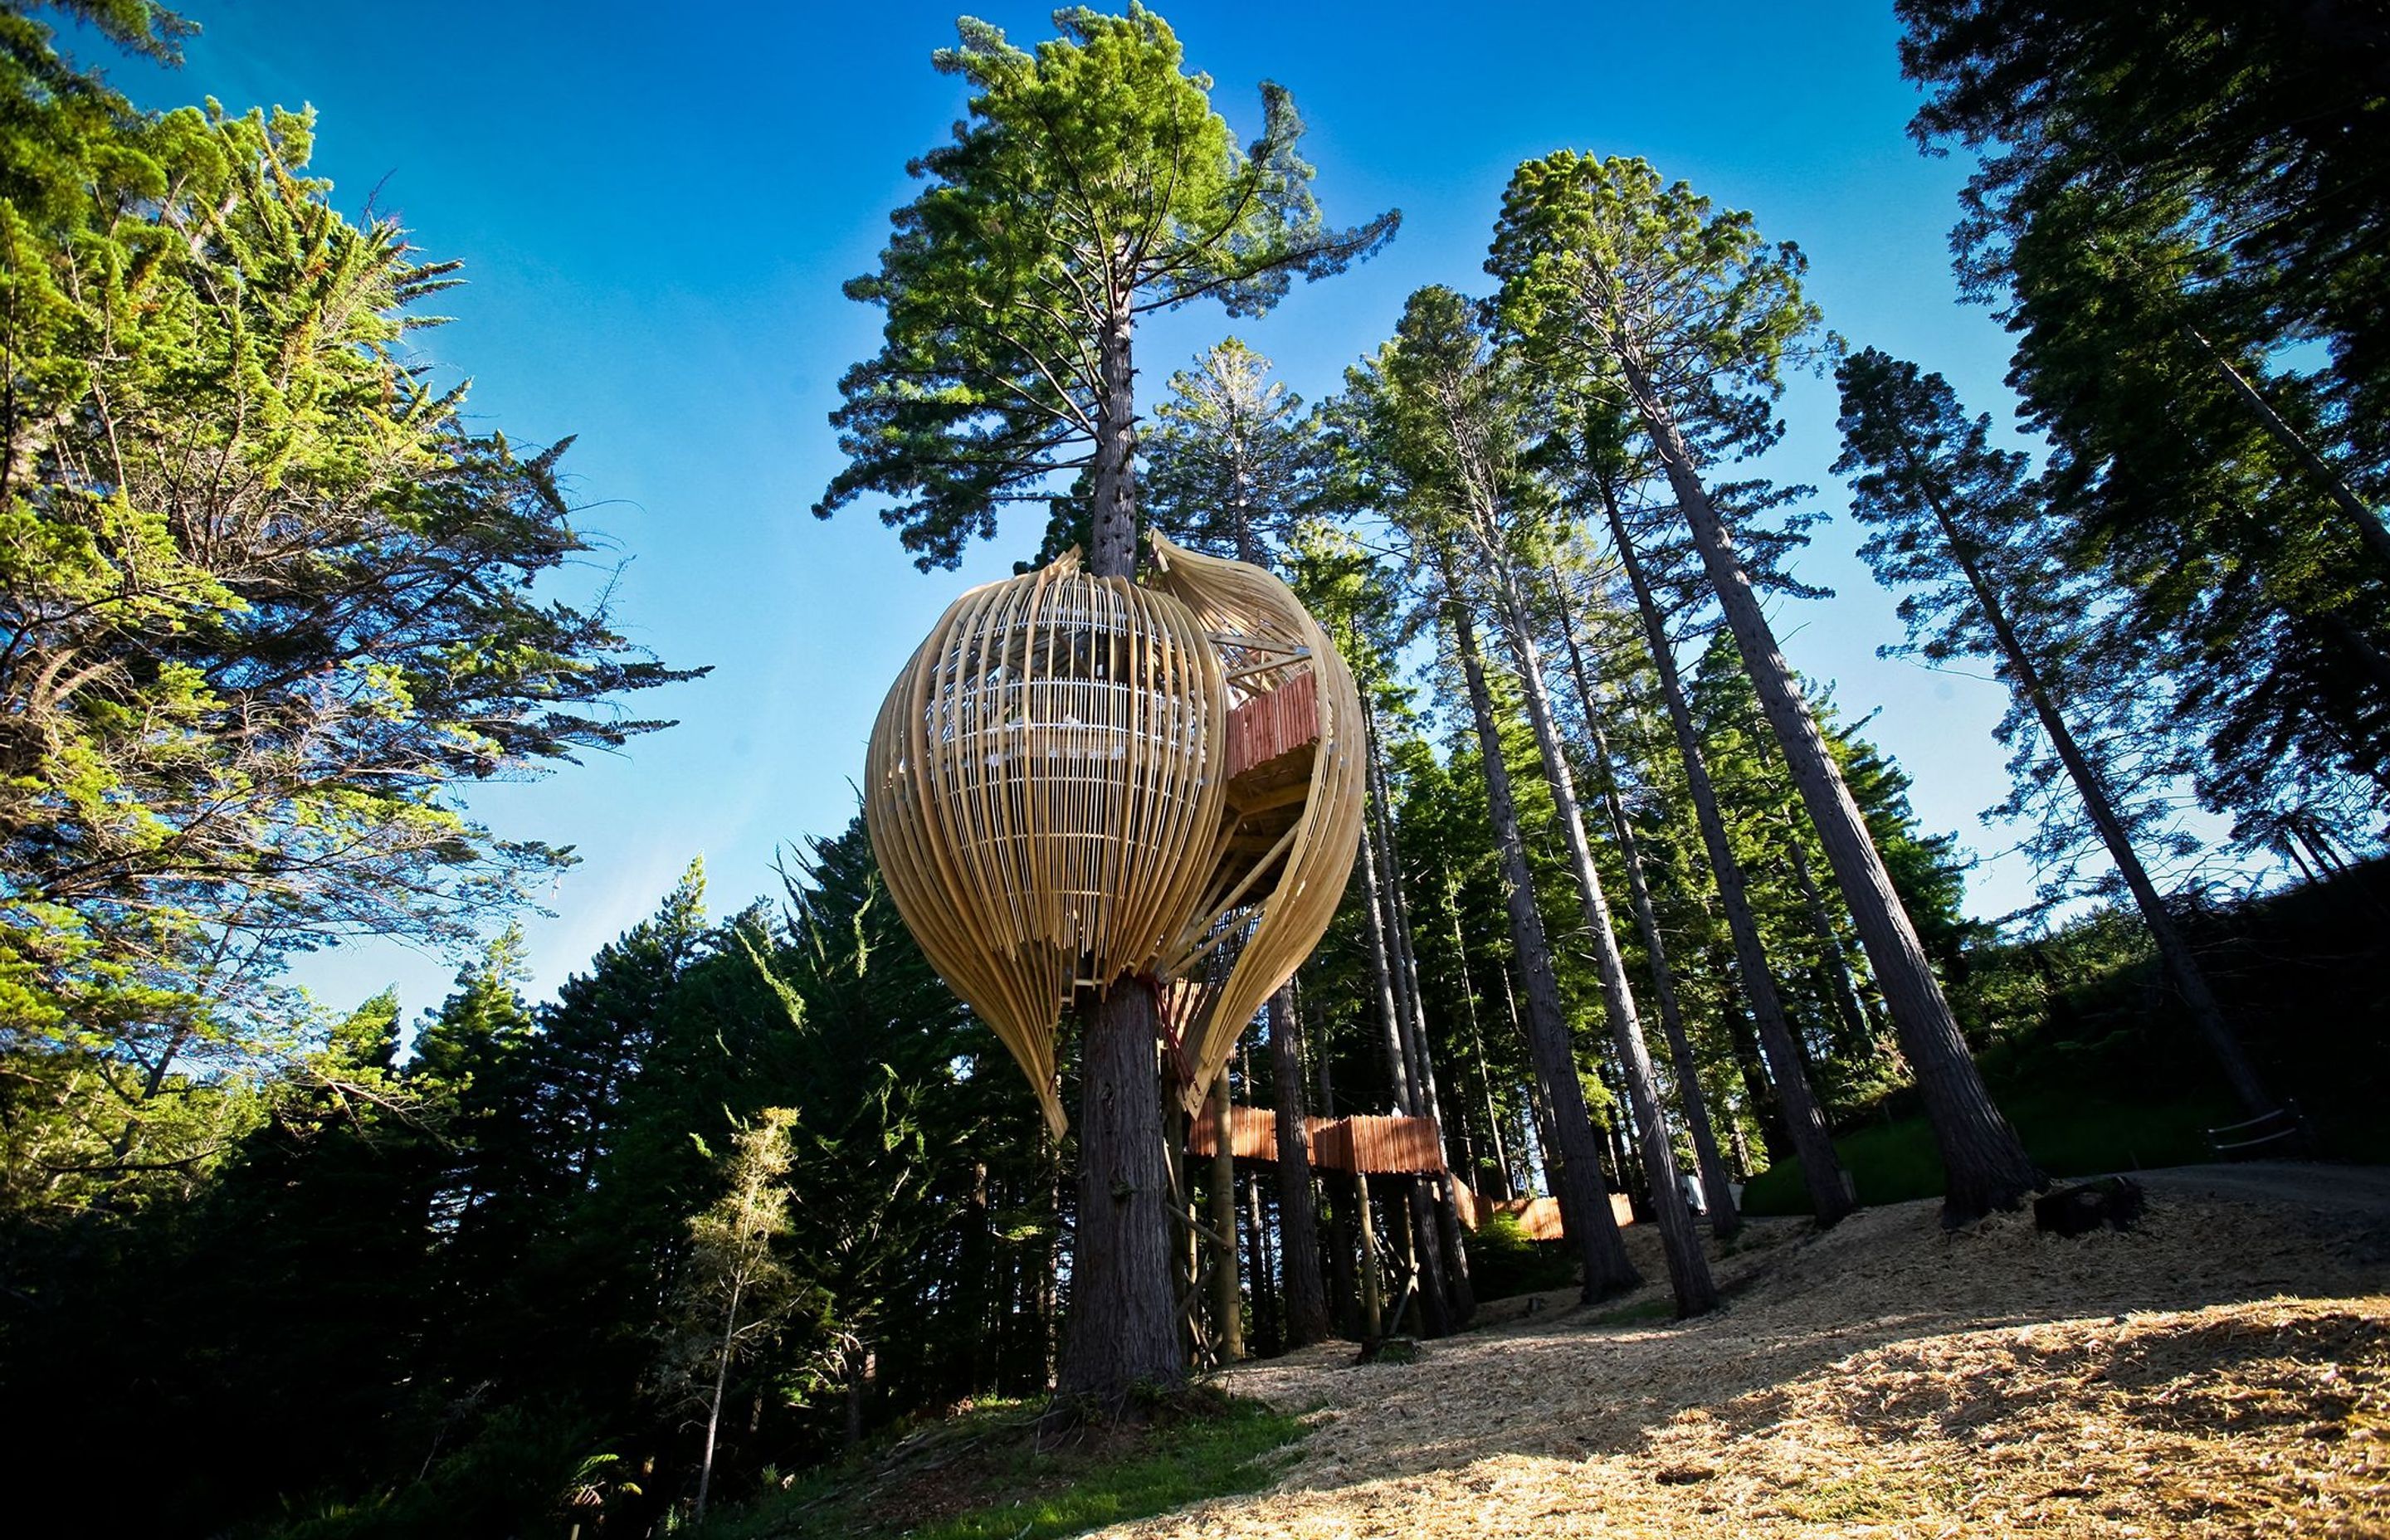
(1380, 1146)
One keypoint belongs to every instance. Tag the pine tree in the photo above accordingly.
(1952, 522)
(1092, 184)
(1683, 319)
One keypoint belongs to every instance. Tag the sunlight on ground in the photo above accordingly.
(2224, 1370)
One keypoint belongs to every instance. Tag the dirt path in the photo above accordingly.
(2225, 1369)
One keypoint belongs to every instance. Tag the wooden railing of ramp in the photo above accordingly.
(1381, 1145)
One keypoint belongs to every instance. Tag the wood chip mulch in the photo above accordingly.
(2222, 1371)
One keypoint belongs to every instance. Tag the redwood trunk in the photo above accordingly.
(1307, 1296)
(1725, 1221)
(1804, 1121)
(1572, 1160)
(1124, 1325)
(1986, 1162)
(1227, 1299)
(1689, 1271)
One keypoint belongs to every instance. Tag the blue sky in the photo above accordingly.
(656, 209)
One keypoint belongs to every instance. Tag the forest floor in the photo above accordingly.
(2222, 1369)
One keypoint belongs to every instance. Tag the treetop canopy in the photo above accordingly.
(1091, 183)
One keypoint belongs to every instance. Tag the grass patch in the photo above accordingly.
(2069, 1135)
(989, 1475)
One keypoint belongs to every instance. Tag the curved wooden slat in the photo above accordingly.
(1269, 638)
(1042, 789)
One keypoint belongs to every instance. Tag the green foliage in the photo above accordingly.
(2257, 133)
(1198, 1446)
(1233, 461)
(270, 601)
(1639, 291)
(1092, 183)
(1503, 1262)
(2174, 207)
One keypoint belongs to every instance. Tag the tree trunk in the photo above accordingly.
(1123, 1325)
(1401, 1071)
(1306, 1298)
(1573, 1164)
(1112, 471)
(1500, 1164)
(1227, 1299)
(1986, 1163)
(1804, 1121)
(1751, 1067)
(1454, 1300)
(1689, 1271)
(1725, 1220)
(714, 1405)
(1373, 1293)
(1834, 965)
(2181, 964)
(2370, 527)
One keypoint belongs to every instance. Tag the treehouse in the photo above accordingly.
(1078, 781)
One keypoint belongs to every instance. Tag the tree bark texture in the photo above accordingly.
(1573, 1162)
(1123, 1325)
(1804, 1121)
(1229, 1301)
(1306, 1297)
(1986, 1163)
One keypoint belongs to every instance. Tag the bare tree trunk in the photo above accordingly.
(1123, 1323)
(2181, 963)
(1455, 1302)
(1348, 1238)
(1834, 964)
(1228, 1300)
(1399, 1068)
(1573, 1164)
(1724, 1221)
(1804, 1121)
(1501, 1156)
(1986, 1163)
(1689, 1271)
(1266, 1337)
(2370, 527)
(1306, 1298)
(714, 1405)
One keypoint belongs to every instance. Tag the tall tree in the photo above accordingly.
(267, 603)
(1947, 510)
(1229, 469)
(1804, 1120)
(2261, 130)
(1724, 1221)
(1684, 317)
(1091, 183)
(736, 1282)
(1468, 399)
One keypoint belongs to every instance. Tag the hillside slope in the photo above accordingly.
(2225, 1369)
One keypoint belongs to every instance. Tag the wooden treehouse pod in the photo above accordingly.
(1078, 780)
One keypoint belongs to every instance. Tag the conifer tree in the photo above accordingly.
(1093, 184)
(1683, 319)
(1953, 524)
